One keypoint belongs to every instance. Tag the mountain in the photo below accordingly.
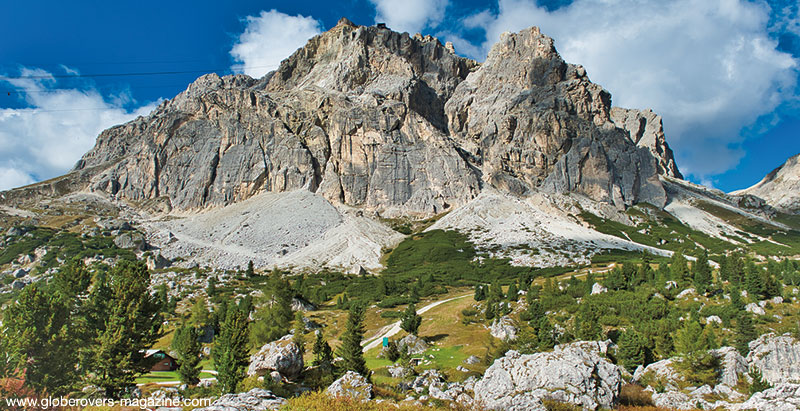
(365, 135)
(781, 187)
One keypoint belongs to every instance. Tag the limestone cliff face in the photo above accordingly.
(390, 123)
(780, 188)
(646, 129)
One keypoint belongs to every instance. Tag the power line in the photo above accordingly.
(130, 74)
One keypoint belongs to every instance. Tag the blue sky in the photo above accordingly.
(722, 73)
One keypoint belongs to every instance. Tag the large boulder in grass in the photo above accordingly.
(412, 344)
(568, 374)
(283, 356)
(257, 399)
(777, 357)
(351, 385)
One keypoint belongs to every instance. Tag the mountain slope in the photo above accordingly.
(781, 187)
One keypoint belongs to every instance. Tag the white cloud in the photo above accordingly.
(269, 38)
(60, 125)
(409, 15)
(708, 67)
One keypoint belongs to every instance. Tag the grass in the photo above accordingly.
(164, 376)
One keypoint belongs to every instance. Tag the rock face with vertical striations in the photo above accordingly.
(780, 188)
(646, 129)
(390, 123)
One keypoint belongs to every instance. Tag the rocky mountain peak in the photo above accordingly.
(779, 188)
(391, 123)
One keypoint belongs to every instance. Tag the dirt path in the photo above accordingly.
(394, 327)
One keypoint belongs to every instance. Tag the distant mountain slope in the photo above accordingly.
(781, 187)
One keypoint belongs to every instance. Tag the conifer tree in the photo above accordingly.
(230, 349)
(323, 355)
(350, 350)
(187, 348)
(298, 337)
(480, 294)
(132, 325)
(251, 271)
(411, 321)
(274, 318)
(702, 273)
(39, 337)
(513, 292)
(745, 332)
(679, 268)
(392, 352)
(696, 363)
(632, 349)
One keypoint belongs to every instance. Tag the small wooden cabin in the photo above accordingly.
(158, 360)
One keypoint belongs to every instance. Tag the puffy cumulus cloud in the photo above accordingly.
(409, 15)
(45, 139)
(708, 67)
(269, 38)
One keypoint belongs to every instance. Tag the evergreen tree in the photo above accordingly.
(132, 325)
(298, 336)
(754, 282)
(411, 321)
(392, 352)
(323, 355)
(587, 323)
(39, 337)
(679, 268)
(615, 280)
(513, 292)
(186, 345)
(350, 350)
(230, 349)
(632, 349)
(480, 294)
(198, 313)
(496, 291)
(702, 273)
(696, 363)
(251, 271)
(274, 317)
(211, 288)
(736, 298)
(758, 383)
(745, 332)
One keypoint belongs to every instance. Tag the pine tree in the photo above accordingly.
(323, 355)
(754, 282)
(480, 295)
(679, 268)
(702, 273)
(39, 337)
(298, 336)
(392, 352)
(632, 349)
(696, 363)
(187, 348)
(274, 318)
(411, 321)
(745, 332)
(350, 350)
(251, 271)
(513, 292)
(132, 325)
(198, 313)
(230, 349)
(496, 291)
(211, 288)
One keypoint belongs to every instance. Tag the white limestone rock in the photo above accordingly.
(282, 356)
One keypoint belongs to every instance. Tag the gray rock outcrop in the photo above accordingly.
(777, 357)
(780, 187)
(782, 397)
(412, 344)
(503, 328)
(256, 399)
(351, 385)
(568, 374)
(282, 356)
(390, 123)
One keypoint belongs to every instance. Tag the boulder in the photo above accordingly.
(256, 399)
(732, 365)
(676, 400)
(659, 373)
(19, 273)
(351, 385)
(686, 293)
(299, 304)
(598, 288)
(398, 371)
(157, 262)
(472, 359)
(428, 379)
(282, 356)
(782, 397)
(568, 374)
(755, 309)
(503, 328)
(713, 319)
(777, 357)
(413, 344)
(131, 240)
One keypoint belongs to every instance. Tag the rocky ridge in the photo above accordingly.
(391, 123)
(779, 188)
